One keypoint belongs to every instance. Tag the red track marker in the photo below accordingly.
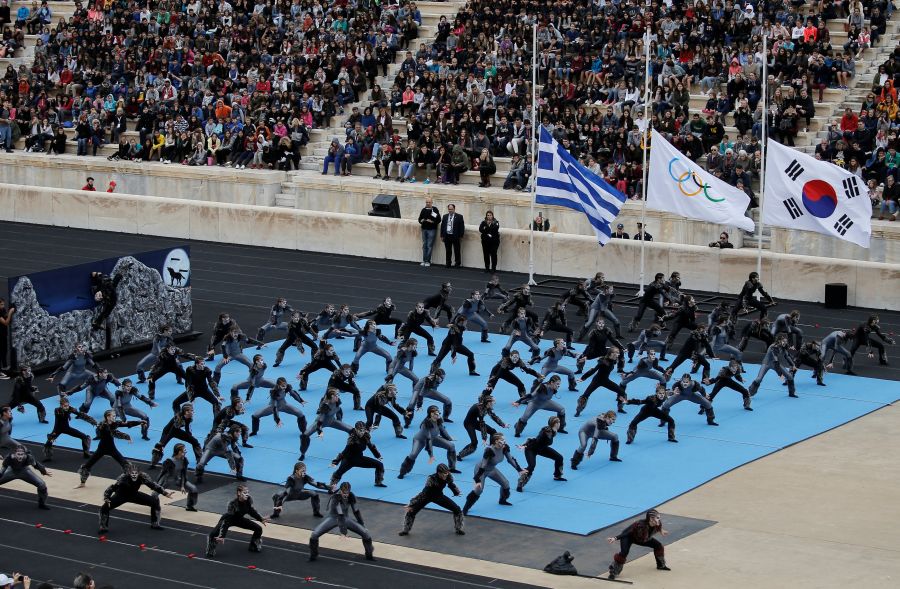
(102, 538)
(67, 531)
(252, 567)
(191, 555)
(39, 525)
(142, 546)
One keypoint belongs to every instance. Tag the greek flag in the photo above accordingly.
(564, 182)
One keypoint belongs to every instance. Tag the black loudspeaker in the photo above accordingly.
(836, 295)
(385, 205)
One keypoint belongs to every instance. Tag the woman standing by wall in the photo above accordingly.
(490, 241)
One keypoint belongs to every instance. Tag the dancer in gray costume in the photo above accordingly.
(595, 430)
(687, 389)
(427, 388)
(431, 433)
(367, 342)
(487, 468)
(541, 397)
(778, 359)
(78, 367)
(123, 407)
(278, 404)
(474, 309)
(256, 379)
(337, 517)
(161, 341)
(329, 414)
(18, 466)
(294, 491)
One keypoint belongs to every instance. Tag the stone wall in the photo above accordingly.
(212, 184)
(870, 284)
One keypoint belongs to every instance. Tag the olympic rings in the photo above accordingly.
(681, 178)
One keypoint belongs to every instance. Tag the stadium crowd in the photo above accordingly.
(243, 83)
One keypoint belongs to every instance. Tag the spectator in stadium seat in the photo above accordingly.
(889, 199)
(335, 155)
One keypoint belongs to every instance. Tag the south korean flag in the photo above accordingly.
(811, 195)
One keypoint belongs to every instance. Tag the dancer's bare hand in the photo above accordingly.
(611, 540)
(431, 460)
(48, 474)
(477, 487)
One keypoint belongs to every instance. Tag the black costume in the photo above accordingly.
(23, 394)
(414, 325)
(105, 286)
(236, 516)
(199, 382)
(601, 373)
(694, 348)
(179, 427)
(541, 446)
(746, 298)
(352, 456)
(519, 300)
(555, 320)
(346, 384)
(127, 489)
(650, 298)
(598, 344)
(433, 492)
(453, 345)
(107, 434)
(651, 406)
(476, 422)
(167, 362)
(380, 403)
(810, 354)
(439, 302)
(298, 333)
(503, 370)
(729, 377)
(381, 315)
(61, 425)
(759, 329)
(325, 358)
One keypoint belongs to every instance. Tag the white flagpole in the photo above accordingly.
(762, 164)
(645, 135)
(535, 128)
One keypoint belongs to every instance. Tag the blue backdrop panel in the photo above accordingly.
(599, 494)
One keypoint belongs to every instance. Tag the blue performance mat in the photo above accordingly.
(597, 495)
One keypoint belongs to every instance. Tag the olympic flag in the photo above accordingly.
(809, 194)
(678, 185)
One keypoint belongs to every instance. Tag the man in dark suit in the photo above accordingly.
(452, 228)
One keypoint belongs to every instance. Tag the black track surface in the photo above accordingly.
(136, 557)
